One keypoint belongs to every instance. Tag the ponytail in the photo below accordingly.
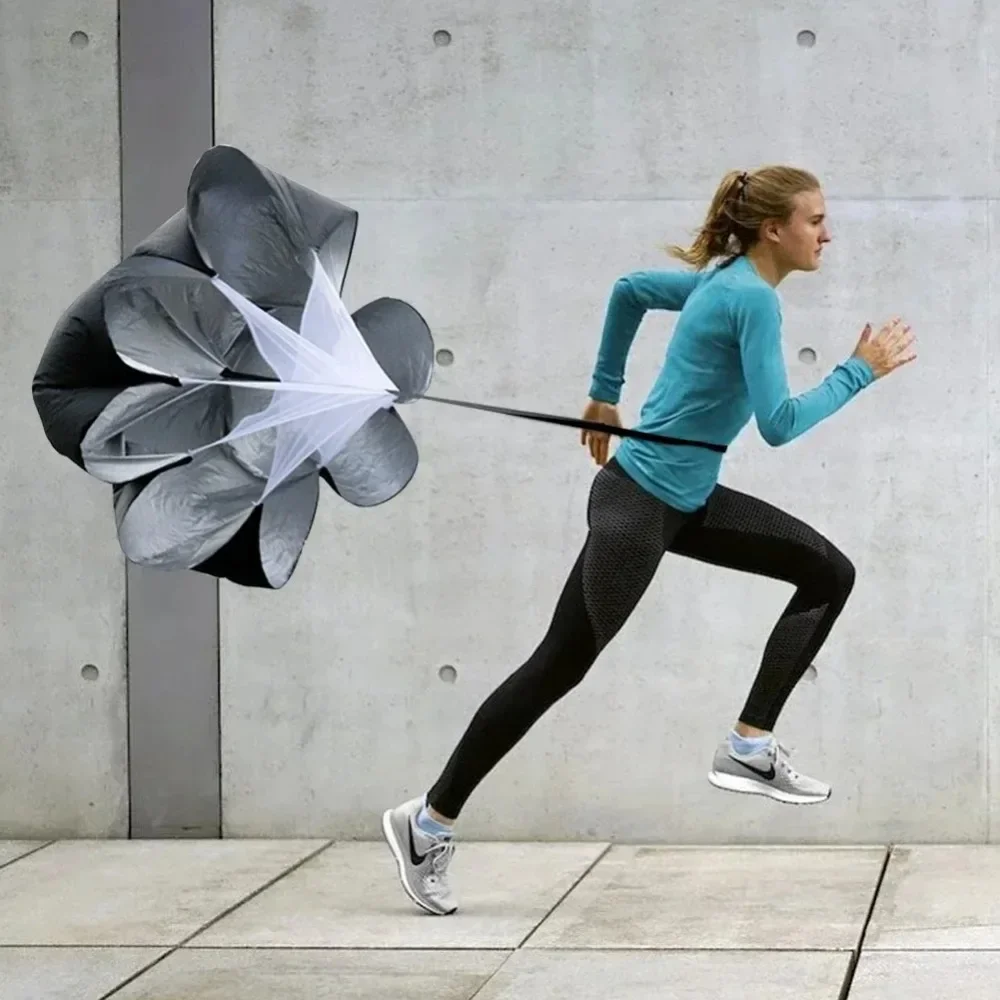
(714, 239)
(742, 202)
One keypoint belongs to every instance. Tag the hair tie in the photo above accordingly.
(738, 191)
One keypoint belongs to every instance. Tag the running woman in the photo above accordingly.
(723, 367)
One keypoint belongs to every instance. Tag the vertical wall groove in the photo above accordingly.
(987, 30)
(167, 121)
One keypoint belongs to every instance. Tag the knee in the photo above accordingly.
(839, 574)
(561, 662)
(827, 578)
(556, 681)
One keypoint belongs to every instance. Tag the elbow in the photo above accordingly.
(778, 425)
(774, 433)
(624, 290)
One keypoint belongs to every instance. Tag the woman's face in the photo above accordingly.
(800, 240)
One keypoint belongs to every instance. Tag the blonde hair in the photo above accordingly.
(742, 202)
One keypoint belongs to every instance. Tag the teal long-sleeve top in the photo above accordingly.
(724, 365)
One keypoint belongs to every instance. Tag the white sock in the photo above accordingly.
(431, 826)
(745, 745)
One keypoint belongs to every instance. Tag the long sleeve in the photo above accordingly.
(631, 297)
(780, 417)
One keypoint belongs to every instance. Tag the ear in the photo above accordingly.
(770, 230)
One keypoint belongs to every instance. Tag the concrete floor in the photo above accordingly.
(309, 920)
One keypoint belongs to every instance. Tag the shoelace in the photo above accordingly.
(782, 758)
(440, 854)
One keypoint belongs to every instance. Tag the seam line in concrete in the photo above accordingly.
(27, 854)
(852, 967)
(555, 906)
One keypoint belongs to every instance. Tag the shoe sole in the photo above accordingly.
(734, 783)
(397, 853)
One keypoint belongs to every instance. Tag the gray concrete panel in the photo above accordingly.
(679, 975)
(135, 893)
(69, 973)
(927, 975)
(317, 975)
(62, 594)
(938, 898)
(606, 100)
(711, 898)
(332, 704)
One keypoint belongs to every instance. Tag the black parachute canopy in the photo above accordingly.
(173, 378)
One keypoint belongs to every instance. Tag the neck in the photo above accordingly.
(766, 266)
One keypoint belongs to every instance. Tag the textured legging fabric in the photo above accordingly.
(629, 532)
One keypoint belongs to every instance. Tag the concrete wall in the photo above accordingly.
(504, 181)
(63, 737)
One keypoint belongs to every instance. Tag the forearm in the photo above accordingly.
(785, 419)
(780, 416)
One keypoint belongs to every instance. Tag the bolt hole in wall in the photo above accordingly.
(79, 40)
(90, 672)
(807, 39)
(442, 38)
(448, 674)
(445, 357)
(807, 356)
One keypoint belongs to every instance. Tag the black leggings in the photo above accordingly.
(630, 530)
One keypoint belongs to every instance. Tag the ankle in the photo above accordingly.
(438, 817)
(433, 823)
(750, 732)
(748, 745)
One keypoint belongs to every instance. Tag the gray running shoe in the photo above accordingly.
(422, 858)
(767, 772)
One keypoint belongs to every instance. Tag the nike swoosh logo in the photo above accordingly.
(769, 774)
(415, 858)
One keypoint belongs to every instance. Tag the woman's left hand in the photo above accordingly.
(604, 413)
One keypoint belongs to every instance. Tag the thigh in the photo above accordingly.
(741, 532)
(629, 532)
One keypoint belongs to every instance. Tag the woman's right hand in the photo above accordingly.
(888, 350)
(604, 413)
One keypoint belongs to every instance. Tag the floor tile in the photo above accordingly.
(350, 897)
(68, 973)
(661, 897)
(11, 850)
(938, 897)
(134, 892)
(207, 974)
(596, 975)
(927, 975)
